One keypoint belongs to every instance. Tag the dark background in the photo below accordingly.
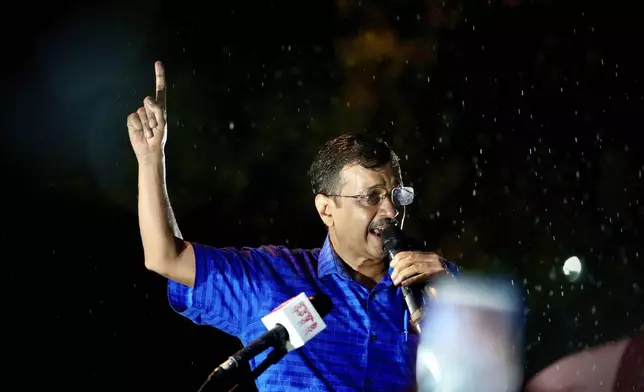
(518, 123)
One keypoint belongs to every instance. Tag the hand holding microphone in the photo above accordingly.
(410, 268)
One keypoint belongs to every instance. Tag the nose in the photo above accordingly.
(387, 209)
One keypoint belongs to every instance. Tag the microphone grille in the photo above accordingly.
(392, 238)
(322, 303)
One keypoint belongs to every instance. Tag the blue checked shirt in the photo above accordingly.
(364, 347)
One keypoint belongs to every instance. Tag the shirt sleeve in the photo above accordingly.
(228, 288)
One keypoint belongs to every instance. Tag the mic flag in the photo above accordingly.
(290, 325)
(300, 317)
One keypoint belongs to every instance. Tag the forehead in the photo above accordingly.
(355, 178)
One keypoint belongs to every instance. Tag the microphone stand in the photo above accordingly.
(271, 359)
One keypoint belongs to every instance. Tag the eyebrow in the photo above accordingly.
(396, 182)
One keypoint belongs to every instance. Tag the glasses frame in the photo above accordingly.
(390, 193)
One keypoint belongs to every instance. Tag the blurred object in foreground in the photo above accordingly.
(479, 343)
(612, 367)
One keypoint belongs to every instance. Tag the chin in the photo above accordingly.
(376, 249)
(374, 240)
(374, 246)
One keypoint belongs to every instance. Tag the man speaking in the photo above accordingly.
(358, 192)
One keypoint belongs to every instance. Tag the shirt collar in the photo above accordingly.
(329, 263)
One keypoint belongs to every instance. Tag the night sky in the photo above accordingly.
(518, 123)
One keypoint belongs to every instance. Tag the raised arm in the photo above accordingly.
(165, 251)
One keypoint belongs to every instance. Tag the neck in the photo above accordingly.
(369, 280)
(367, 272)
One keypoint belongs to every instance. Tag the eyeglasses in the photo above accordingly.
(400, 196)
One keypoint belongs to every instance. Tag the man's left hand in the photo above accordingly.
(415, 267)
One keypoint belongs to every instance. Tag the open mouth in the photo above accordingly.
(380, 226)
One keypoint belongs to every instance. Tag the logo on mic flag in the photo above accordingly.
(299, 317)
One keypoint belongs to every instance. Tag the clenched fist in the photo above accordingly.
(147, 126)
(415, 267)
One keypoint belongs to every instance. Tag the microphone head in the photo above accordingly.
(322, 303)
(393, 239)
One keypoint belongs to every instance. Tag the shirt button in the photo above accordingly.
(373, 337)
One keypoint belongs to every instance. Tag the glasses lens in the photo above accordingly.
(374, 198)
(402, 195)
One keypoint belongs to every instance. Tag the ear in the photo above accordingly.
(325, 206)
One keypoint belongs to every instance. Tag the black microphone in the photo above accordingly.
(291, 325)
(394, 242)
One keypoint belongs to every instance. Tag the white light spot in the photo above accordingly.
(572, 267)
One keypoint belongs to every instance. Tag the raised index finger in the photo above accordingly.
(159, 71)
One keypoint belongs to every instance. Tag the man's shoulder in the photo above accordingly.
(282, 256)
(282, 251)
(266, 257)
(282, 262)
